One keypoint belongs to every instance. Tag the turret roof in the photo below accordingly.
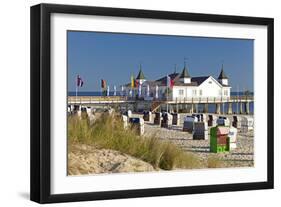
(222, 74)
(140, 75)
(185, 73)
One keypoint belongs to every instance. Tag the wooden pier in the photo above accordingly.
(155, 104)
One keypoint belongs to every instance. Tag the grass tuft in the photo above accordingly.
(214, 162)
(108, 132)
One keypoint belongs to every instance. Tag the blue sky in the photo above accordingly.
(115, 56)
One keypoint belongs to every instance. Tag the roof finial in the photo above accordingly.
(222, 74)
(185, 73)
(185, 59)
(140, 75)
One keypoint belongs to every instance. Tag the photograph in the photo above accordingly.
(142, 103)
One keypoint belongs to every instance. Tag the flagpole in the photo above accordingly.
(237, 107)
(76, 90)
(167, 92)
(167, 98)
(222, 101)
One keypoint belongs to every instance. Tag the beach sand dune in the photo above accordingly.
(86, 159)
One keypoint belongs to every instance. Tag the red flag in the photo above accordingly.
(136, 83)
(103, 83)
(172, 83)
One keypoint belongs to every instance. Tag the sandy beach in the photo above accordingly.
(87, 159)
(242, 156)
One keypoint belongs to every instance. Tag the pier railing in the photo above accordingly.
(96, 99)
(123, 99)
(212, 99)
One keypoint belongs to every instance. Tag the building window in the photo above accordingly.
(194, 92)
(200, 92)
(225, 92)
(181, 92)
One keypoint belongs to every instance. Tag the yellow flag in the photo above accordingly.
(132, 81)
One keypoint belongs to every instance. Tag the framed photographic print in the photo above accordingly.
(133, 103)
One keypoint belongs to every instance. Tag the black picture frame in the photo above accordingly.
(41, 98)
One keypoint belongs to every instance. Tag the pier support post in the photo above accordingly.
(192, 109)
(247, 108)
(206, 107)
(177, 108)
(218, 108)
(229, 108)
(241, 107)
(196, 108)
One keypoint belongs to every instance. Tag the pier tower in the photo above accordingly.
(141, 78)
(223, 79)
(185, 77)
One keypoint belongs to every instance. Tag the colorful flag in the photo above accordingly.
(114, 88)
(132, 81)
(79, 81)
(139, 90)
(103, 83)
(107, 92)
(156, 92)
(168, 81)
(172, 83)
(122, 90)
(137, 83)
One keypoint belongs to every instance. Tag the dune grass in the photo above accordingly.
(108, 132)
(214, 162)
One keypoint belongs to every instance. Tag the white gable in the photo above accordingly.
(212, 88)
(210, 82)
